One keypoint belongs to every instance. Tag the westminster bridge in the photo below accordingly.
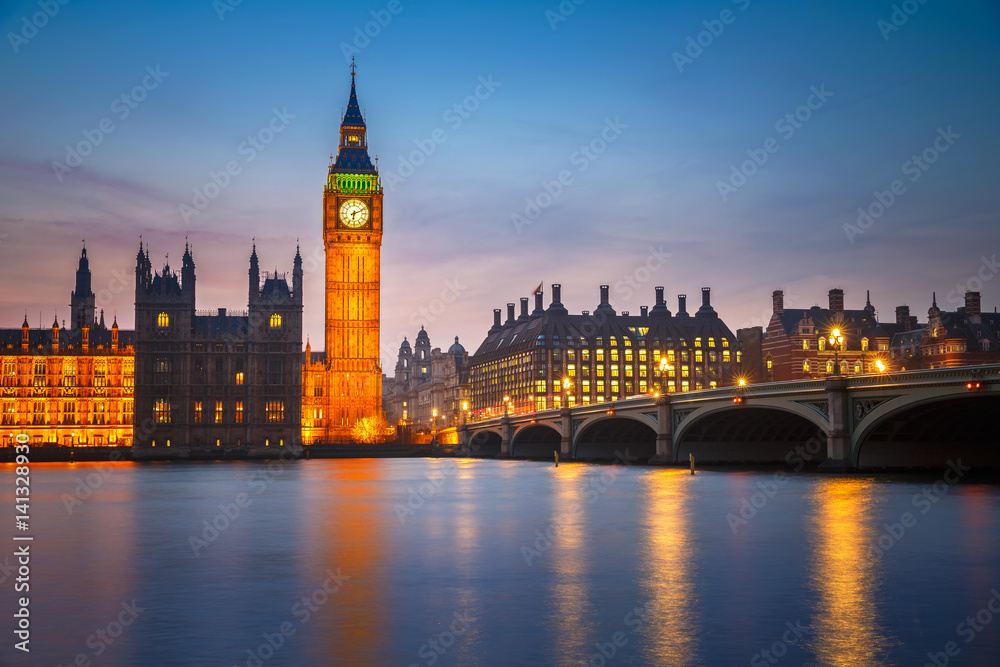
(906, 419)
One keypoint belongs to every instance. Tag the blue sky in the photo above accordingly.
(674, 127)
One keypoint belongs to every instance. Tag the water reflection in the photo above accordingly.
(668, 584)
(847, 628)
(573, 614)
(349, 531)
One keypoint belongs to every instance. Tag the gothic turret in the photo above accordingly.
(254, 280)
(82, 301)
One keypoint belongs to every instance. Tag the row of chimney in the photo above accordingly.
(604, 307)
(973, 305)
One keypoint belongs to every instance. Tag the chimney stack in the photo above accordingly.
(510, 315)
(777, 302)
(643, 311)
(682, 305)
(539, 306)
(496, 322)
(902, 315)
(524, 309)
(836, 300)
(556, 305)
(604, 306)
(973, 304)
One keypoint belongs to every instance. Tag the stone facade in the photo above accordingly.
(220, 378)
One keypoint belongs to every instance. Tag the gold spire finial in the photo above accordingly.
(353, 66)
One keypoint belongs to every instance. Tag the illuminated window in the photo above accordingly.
(698, 357)
(685, 386)
(197, 412)
(600, 370)
(725, 342)
(275, 321)
(239, 378)
(805, 365)
(586, 387)
(572, 370)
(628, 371)
(857, 367)
(161, 411)
(614, 341)
(69, 413)
(739, 356)
(239, 412)
(697, 341)
(670, 357)
(540, 386)
(685, 372)
(614, 371)
(643, 371)
(614, 387)
(218, 412)
(599, 355)
(829, 367)
(600, 387)
(162, 320)
(864, 344)
(822, 344)
(725, 356)
(614, 355)
(584, 355)
(805, 343)
(711, 342)
(642, 356)
(275, 411)
(628, 356)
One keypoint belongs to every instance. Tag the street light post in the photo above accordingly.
(434, 414)
(836, 342)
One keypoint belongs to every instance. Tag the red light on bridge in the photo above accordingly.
(973, 386)
(611, 412)
(738, 400)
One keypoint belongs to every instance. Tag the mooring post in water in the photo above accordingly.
(691, 457)
(557, 457)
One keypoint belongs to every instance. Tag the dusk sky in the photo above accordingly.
(654, 201)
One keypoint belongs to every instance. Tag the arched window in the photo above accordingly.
(822, 343)
(162, 320)
(770, 363)
(805, 366)
(829, 367)
(275, 321)
(864, 344)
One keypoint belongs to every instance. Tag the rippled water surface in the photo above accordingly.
(468, 562)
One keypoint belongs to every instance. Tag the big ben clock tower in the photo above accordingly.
(352, 236)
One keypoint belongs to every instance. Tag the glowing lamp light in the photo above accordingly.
(743, 382)
(880, 366)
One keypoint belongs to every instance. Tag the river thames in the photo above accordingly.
(485, 562)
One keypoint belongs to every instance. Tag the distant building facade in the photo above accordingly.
(604, 355)
(68, 387)
(222, 378)
(796, 343)
(426, 380)
(964, 337)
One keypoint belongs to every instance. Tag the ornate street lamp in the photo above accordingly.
(664, 369)
(837, 343)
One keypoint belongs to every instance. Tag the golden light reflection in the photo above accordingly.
(846, 626)
(351, 529)
(671, 620)
(569, 589)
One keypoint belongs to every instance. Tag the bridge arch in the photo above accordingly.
(760, 431)
(604, 437)
(487, 443)
(928, 430)
(539, 440)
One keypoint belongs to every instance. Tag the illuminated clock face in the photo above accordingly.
(353, 213)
